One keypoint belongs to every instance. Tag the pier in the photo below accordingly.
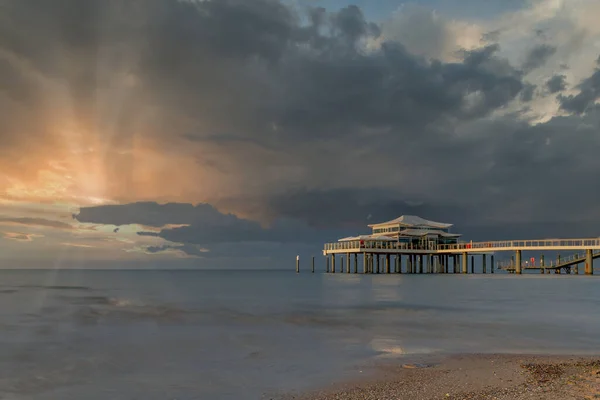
(410, 244)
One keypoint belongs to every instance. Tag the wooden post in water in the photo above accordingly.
(333, 263)
(399, 263)
(542, 264)
(421, 263)
(377, 262)
(464, 260)
(326, 264)
(356, 263)
(589, 262)
(492, 266)
(484, 264)
(348, 260)
(518, 262)
(472, 264)
(313, 264)
(297, 264)
(341, 263)
(387, 263)
(365, 262)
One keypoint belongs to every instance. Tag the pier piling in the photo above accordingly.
(589, 263)
(313, 264)
(297, 264)
(484, 264)
(355, 263)
(492, 263)
(472, 264)
(464, 261)
(518, 262)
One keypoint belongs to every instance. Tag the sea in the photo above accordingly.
(239, 334)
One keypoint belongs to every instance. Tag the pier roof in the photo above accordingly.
(368, 237)
(413, 220)
(424, 232)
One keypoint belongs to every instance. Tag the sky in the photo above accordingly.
(239, 133)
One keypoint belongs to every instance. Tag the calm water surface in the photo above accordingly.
(243, 334)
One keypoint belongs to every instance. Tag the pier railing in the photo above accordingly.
(524, 244)
(376, 245)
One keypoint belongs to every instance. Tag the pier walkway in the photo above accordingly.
(561, 264)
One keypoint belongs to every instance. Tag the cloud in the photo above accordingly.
(21, 237)
(34, 222)
(538, 56)
(589, 92)
(528, 92)
(257, 123)
(556, 84)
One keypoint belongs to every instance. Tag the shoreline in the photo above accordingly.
(472, 376)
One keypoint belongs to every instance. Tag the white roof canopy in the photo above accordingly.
(413, 220)
(368, 237)
(425, 232)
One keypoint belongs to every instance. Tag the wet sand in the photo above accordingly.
(499, 377)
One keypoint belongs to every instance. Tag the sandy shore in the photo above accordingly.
(500, 377)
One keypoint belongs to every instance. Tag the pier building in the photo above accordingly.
(419, 245)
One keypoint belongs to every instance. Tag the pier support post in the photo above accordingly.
(492, 266)
(399, 263)
(464, 260)
(313, 264)
(576, 269)
(326, 264)
(333, 263)
(387, 264)
(428, 263)
(409, 264)
(365, 267)
(472, 264)
(356, 263)
(518, 262)
(589, 263)
(484, 264)
(348, 261)
(421, 263)
(377, 263)
(341, 263)
(396, 264)
(297, 264)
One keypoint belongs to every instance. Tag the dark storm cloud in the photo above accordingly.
(206, 224)
(589, 92)
(155, 215)
(538, 56)
(556, 84)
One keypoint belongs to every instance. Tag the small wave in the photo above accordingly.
(108, 309)
(51, 287)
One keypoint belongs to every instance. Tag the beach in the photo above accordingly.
(462, 377)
